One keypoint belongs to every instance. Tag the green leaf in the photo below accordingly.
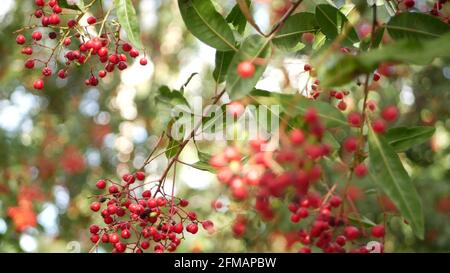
(172, 148)
(223, 58)
(65, 5)
(416, 26)
(387, 171)
(332, 22)
(166, 101)
(203, 163)
(378, 37)
(126, 14)
(205, 23)
(237, 19)
(289, 36)
(341, 69)
(403, 138)
(254, 48)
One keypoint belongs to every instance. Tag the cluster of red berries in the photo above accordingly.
(74, 43)
(438, 11)
(136, 219)
(293, 172)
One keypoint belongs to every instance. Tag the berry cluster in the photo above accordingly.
(294, 172)
(59, 40)
(136, 219)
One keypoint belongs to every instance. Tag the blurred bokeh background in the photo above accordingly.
(55, 144)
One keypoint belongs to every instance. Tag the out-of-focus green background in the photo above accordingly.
(55, 144)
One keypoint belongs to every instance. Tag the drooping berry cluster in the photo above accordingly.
(58, 41)
(294, 172)
(136, 219)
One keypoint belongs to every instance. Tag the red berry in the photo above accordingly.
(140, 176)
(335, 201)
(101, 184)
(303, 213)
(295, 218)
(308, 37)
(38, 84)
(341, 240)
(20, 39)
(297, 136)
(192, 228)
(94, 229)
(372, 105)
(114, 238)
(94, 238)
(27, 50)
(376, 77)
(52, 35)
(47, 71)
(311, 115)
(39, 3)
(339, 95)
(54, 19)
(351, 232)
(134, 53)
(390, 113)
(126, 47)
(360, 170)
(71, 23)
(354, 119)
(102, 73)
(378, 231)
(122, 66)
(246, 69)
(145, 244)
(143, 61)
(95, 206)
(184, 203)
(105, 238)
(29, 64)
(350, 144)
(62, 74)
(379, 126)
(409, 3)
(305, 250)
(36, 35)
(342, 105)
(91, 20)
(307, 67)
(125, 234)
(113, 189)
(102, 52)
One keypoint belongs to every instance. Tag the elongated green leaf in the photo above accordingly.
(332, 22)
(289, 36)
(403, 138)
(205, 23)
(416, 26)
(237, 19)
(203, 162)
(255, 49)
(340, 69)
(126, 14)
(223, 58)
(387, 171)
(172, 148)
